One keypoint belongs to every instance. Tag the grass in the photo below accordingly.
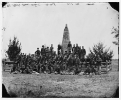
(59, 86)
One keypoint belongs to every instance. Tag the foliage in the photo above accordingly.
(99, 50)
(116, 32)
(14, 49)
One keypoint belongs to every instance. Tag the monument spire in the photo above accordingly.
(66, 39)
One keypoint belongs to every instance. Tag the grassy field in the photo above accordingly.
(51, 85)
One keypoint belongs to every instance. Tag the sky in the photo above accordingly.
(44, 23)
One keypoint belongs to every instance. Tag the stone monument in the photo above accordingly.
(65, 40)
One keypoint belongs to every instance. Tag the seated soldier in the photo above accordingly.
(87, 71)
(76, 63)
(22, 68)
(43, 67)
(27, 71)
(70, 63)
(57, 69)
(90, 69)
(50, 67)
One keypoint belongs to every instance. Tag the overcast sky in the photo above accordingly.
(44, 24)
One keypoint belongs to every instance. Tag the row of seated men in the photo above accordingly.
(49, 63)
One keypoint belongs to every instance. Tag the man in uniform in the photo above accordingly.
(57, 67)
(70, 63)
(76, 63)
(83, 52)
(51, 49)
(42, 50)
(80, 53)
(73, 49)
(69, 47)
(37, 52)
(77, 50)
(59, 49)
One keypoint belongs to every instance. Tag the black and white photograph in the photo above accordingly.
(60, 50)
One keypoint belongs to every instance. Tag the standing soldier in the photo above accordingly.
(69, 47)
(51, 49)
(37, 53)
(59, 49)
(83, 52)
(47, 50)
(42, 50)
(77, 50)
(26, 60)
(73, 49)
(80, 53)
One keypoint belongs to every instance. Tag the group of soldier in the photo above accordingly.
(47, 61)
(75, 50)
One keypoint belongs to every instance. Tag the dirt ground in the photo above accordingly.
(51, 85)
